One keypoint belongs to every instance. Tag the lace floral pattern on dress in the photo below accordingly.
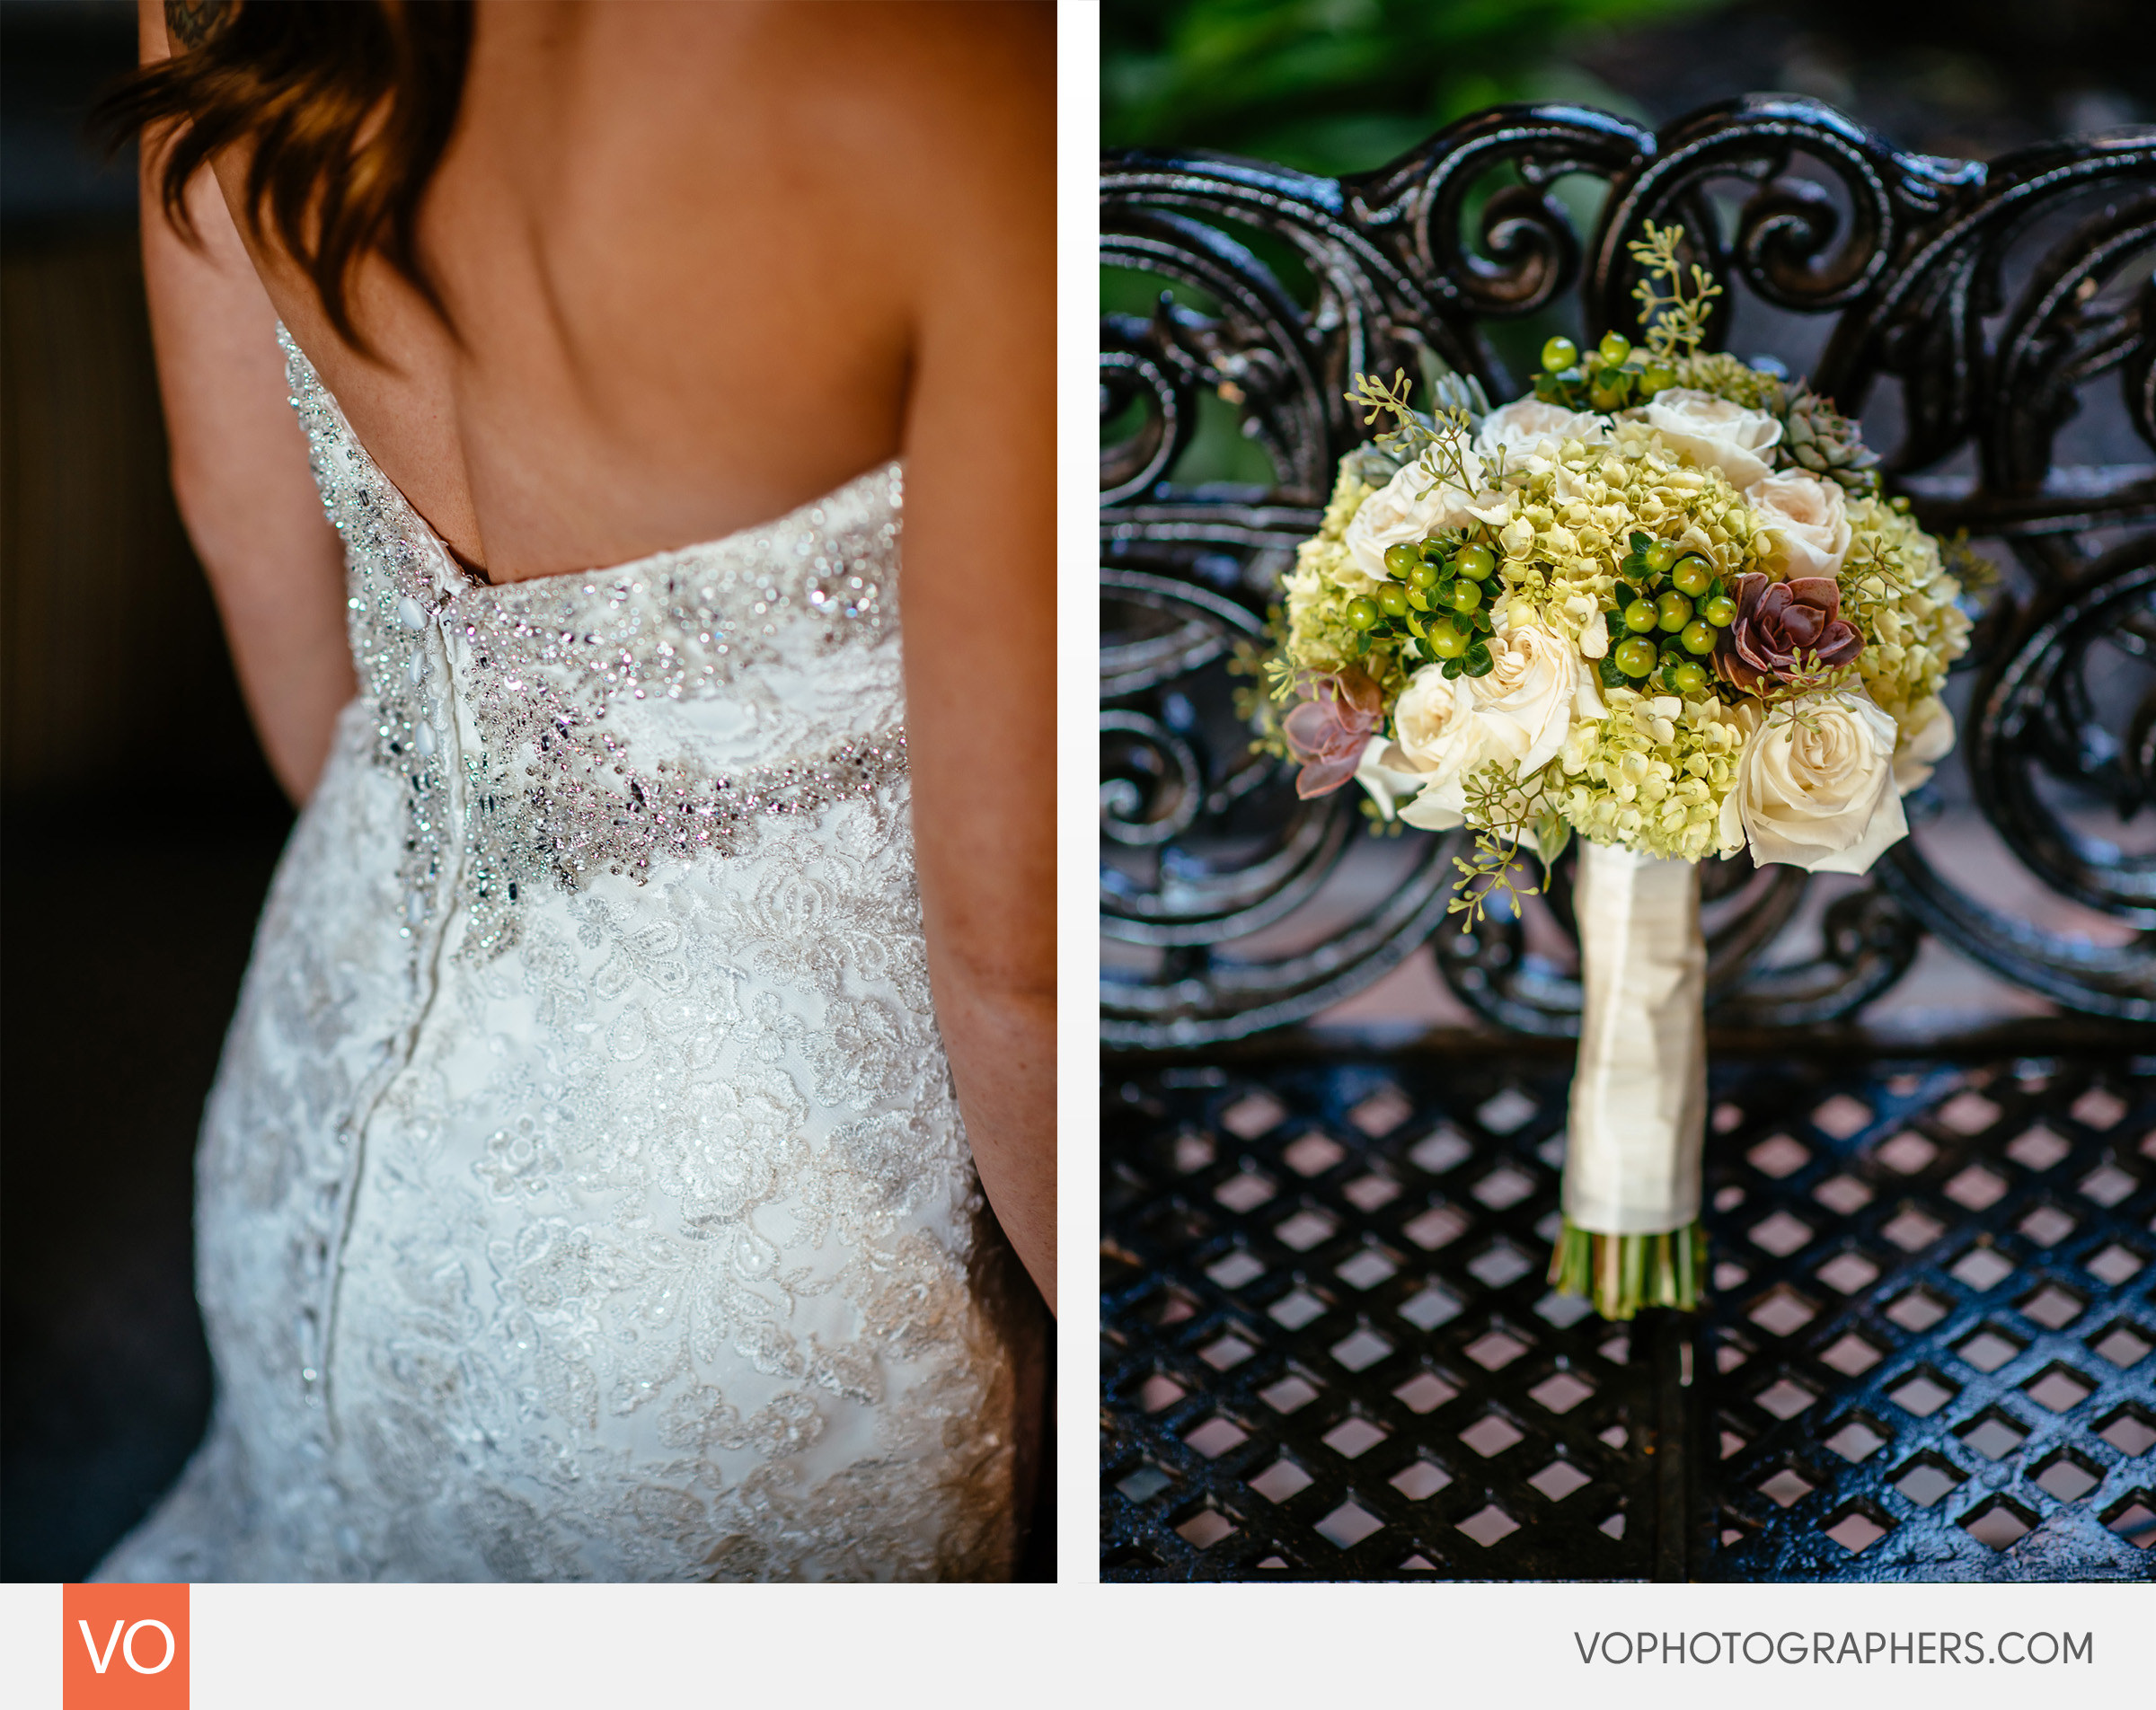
(571, 1205)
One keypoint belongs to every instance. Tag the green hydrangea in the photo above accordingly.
(1725, 376)
(1563, 524)
(1319, 637)
(1651, 776)
(1896, 589)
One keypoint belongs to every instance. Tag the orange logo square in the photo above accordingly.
(124, 1647)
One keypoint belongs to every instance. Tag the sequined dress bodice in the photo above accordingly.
(582, 1193)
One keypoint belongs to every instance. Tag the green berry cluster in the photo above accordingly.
(1611, 377)
(1443, 580)
(1671, 609)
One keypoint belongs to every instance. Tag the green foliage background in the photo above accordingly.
(1333, 86)
(1338, 87)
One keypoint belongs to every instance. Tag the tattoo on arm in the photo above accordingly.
(191, 22)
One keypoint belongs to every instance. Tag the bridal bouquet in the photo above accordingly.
(1662, 604)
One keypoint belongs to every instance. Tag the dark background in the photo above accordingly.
(137, 828)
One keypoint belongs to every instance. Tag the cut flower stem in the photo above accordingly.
(1619, 1274)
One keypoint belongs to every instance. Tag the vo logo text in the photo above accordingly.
(124, 1647)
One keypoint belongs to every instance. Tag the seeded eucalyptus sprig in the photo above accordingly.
(1439, 441)
(1272, 680)
(1506, 812)
(1788, 702)
(1415, 431)
(1615, 373)
(1492, 870)
(1975, 573)
(1675, 321)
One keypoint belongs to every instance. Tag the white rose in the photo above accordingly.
(1520, 426)
(1387, 778)
(1519, 713)
(1437, 736)
(1927, 738)
(1814, 784)
(1402, 511)
(1713, 431)
(1810, 520)
(1528, 698)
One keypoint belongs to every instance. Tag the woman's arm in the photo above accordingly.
(978, 598)
(240, 473)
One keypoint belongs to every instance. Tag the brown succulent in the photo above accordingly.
(1328, 730)
(1785, 632)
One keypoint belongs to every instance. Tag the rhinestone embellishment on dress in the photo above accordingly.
(493, 704)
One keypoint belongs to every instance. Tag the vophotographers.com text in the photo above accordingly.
(1788, 1649)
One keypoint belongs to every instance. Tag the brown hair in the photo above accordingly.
(347, 106)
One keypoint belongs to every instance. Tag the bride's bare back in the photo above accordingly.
(689, 251)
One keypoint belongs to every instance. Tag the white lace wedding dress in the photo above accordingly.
(583, 1195)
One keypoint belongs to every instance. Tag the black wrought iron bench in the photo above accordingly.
(1931, 1350)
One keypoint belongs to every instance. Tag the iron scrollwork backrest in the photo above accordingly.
(1993, 296)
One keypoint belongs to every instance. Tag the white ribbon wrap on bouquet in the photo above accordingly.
(1640, 1093)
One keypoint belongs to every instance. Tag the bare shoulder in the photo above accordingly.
(860, 77)
(886, 123)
